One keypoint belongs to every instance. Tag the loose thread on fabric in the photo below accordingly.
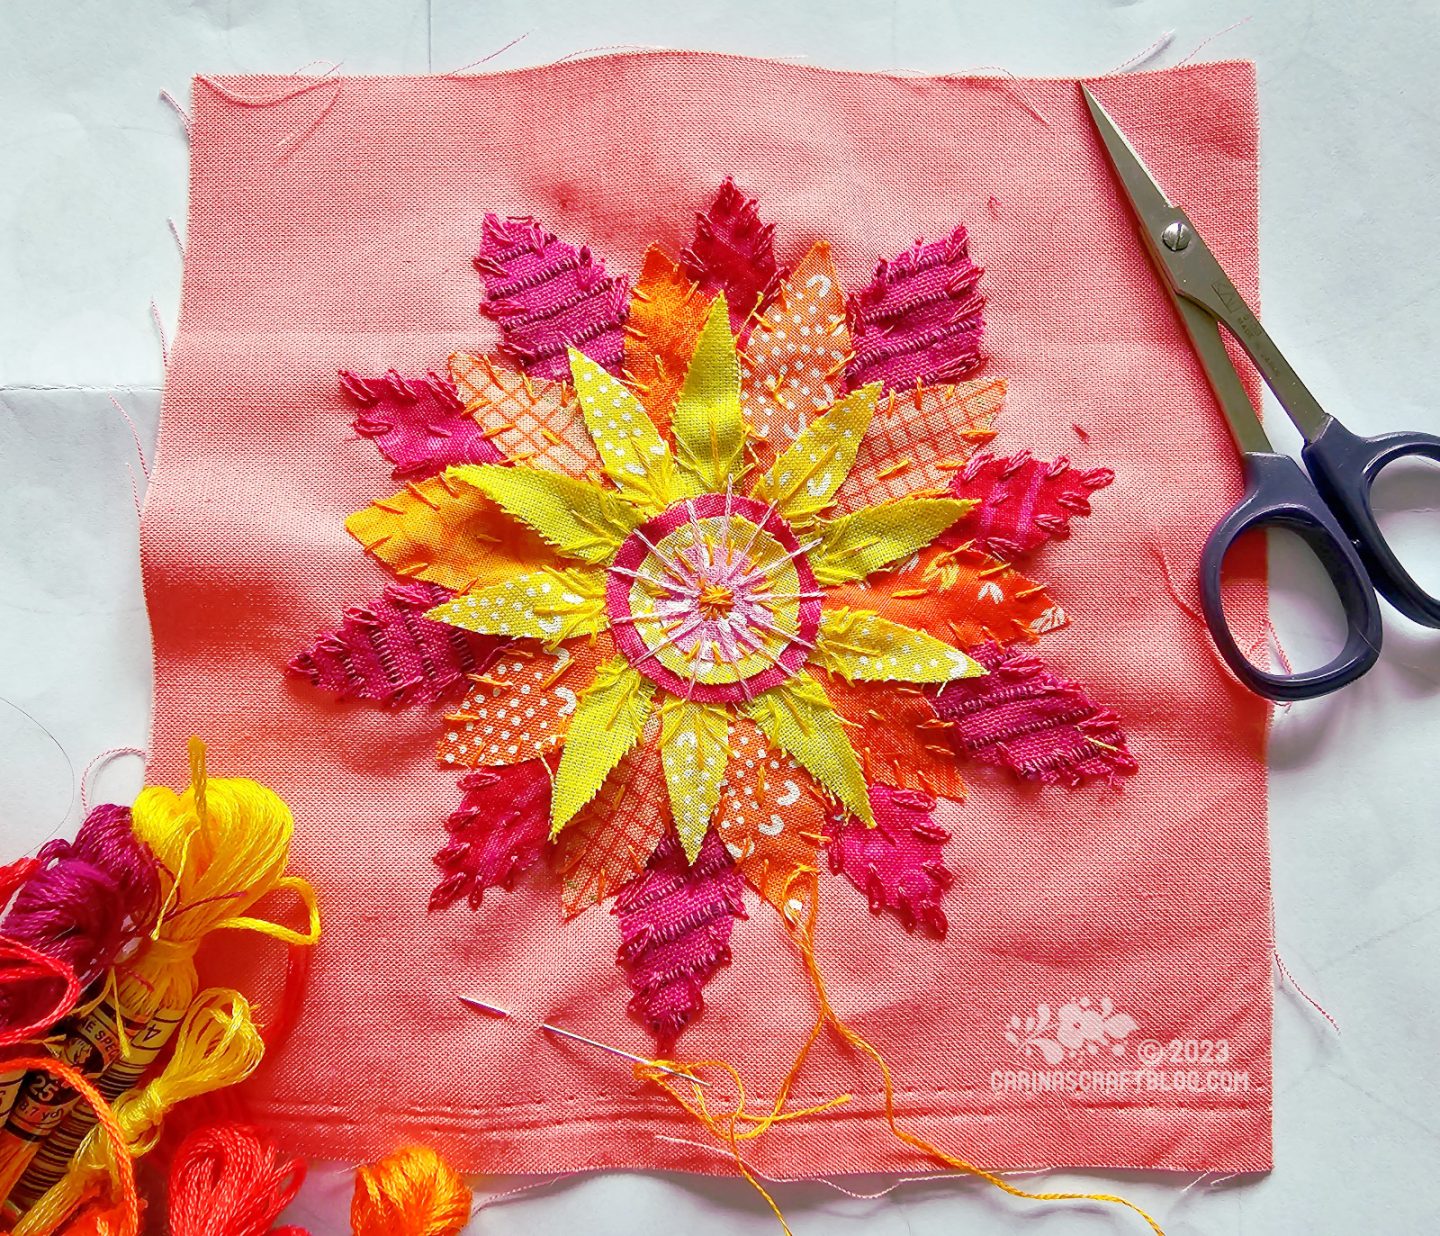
(802, 934)
(123, 1178)
(287, 145)
(175, 232)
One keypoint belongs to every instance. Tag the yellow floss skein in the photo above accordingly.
(412, 1192)
(218, 1046)
(222, 845)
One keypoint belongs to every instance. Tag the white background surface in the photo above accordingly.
(92, 163)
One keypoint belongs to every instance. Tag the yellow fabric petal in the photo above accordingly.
(797, 717)
(803, 481)
(694, 743)
(919, 439)
(859, 644)
(707, 423)
(879, 536)
(606, 725)
(448, 533)
(795, 357)
(531, 420)
(550, 605)
(633, 452)
(579, 519)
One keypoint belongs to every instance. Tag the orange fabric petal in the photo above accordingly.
(609, 841)
(520, 707)
(793, 366)
(449, 534)
(898, 737)
(533, 421)
(959, 595)
(771, 818)
(918, 439)
(667, 312)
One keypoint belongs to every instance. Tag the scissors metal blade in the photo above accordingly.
(1204, 296)
(1147, 198)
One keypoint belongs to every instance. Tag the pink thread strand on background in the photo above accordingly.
(167, 97)
(1144, 57)
(134, 435)
(1305, 995)
(99, 761)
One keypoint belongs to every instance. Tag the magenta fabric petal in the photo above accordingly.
(419, 424)
(920, 319)
(390, 652)
(548, 296)
(496, 834)
(899, 863)
(1042, 727)
(733, 252)
(675, 924)
(1023, 502)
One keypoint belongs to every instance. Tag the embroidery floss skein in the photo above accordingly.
(217, 1046)
(86, 903)
(223, 845)
(412, 1192)
(89, 897)
(229, 1180)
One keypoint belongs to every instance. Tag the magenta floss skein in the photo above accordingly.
(91, 897)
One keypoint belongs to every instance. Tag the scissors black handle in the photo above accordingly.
(1278, 494)
(1344, 466)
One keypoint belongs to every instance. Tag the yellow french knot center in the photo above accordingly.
(716, 600)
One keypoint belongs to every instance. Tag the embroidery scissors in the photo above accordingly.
(1326, 503)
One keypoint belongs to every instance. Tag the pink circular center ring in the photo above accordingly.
(714, 599)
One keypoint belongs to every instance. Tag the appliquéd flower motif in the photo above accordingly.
(715, 587)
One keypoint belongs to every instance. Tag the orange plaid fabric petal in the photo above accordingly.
(771, 818)
(608, 842)
(520, 707)
(532, 420)
(959, 595)
(667, 312)
(449, 534)
(918, 439)
(898, 737)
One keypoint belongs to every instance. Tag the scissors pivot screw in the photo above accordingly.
(1177, 236)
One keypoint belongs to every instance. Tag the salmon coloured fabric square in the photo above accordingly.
(757, 639)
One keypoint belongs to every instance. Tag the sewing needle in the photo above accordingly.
(496, 1011)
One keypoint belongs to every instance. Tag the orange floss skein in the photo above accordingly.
(228, 1180)
(412, 1192)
